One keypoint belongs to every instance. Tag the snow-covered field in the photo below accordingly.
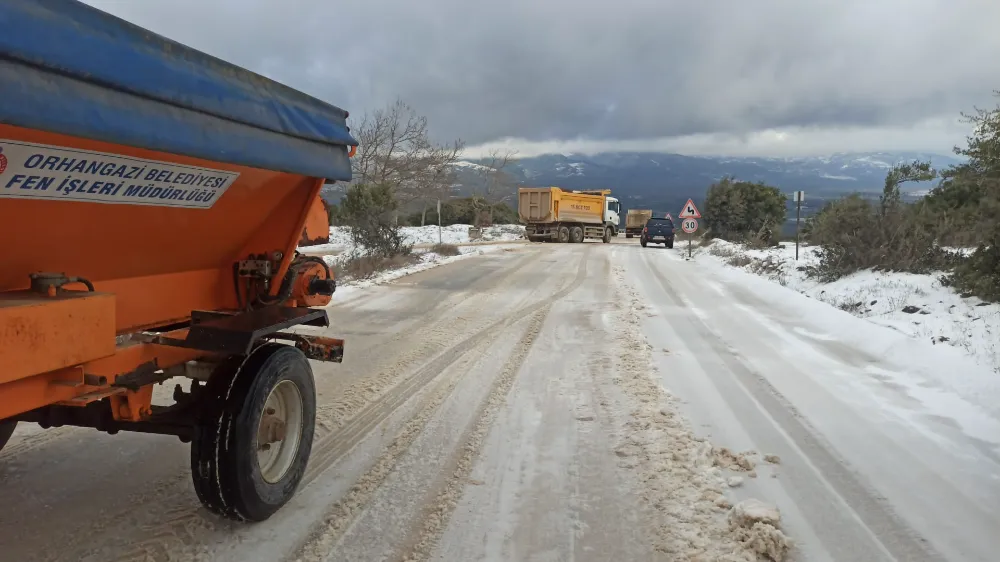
(916, 305)
(340, 237)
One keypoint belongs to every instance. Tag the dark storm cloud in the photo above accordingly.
(628, 69)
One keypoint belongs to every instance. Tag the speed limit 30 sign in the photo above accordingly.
(689, 226)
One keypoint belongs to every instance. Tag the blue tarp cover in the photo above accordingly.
(68, 68)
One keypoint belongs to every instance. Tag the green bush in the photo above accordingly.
(746, 212)
(369, 211)
(978, 274)
(854, 234)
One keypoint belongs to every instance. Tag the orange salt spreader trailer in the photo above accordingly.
(151, 201)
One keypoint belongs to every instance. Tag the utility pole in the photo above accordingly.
(799, 196)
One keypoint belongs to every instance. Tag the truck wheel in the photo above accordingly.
(254, 435)
(670, 244)
(564, 234)
(576, 235)
(642, 242)
(607, 236)
(6, 430)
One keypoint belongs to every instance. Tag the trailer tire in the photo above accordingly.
(607, 236)
(7, 428)
(270, 388)
(576, 235)
(564, 235)
(627, 235)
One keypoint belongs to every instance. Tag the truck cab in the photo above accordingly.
(612, 214)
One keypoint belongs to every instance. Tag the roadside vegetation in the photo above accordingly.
(745, 212)
(399, 176)
(961, 211)
(954, 230)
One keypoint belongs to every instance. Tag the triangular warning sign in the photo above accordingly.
(689, 211)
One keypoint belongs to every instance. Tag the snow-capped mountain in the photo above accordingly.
(643, 174)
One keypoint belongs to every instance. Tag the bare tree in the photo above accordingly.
(497, 186)
(435, 186)
(395, 149)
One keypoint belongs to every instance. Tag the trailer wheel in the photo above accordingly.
(627, 235)
(607, 236)
(564, 234)
(253, 440)
(6, 430)
(576, 235)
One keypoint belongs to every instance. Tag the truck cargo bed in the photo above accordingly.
(551, 204)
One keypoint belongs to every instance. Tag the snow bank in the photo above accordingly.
(459, 234)
(682, 473)
(956, 382)
(340, 236)
(916, 305)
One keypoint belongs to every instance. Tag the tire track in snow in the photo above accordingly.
(318, 545)
(345, 511)
(350, 401)
(439, 308)
(444, 497)
(34, 441)
(391, 393)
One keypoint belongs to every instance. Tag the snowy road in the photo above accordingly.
(509, 407)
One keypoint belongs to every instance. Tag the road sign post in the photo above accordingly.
(440, 237)
(689, 226)
(799, 196)
(689, 216)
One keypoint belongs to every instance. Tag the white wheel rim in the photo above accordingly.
(276, 453)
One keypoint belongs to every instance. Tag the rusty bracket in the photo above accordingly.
(316, 347)
(144, 374)
(236, 334)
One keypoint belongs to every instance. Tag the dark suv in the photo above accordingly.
(658, 230)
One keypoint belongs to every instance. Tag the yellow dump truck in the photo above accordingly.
(635, 220)
(555, 215)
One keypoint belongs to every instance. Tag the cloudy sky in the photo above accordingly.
(761, 77)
